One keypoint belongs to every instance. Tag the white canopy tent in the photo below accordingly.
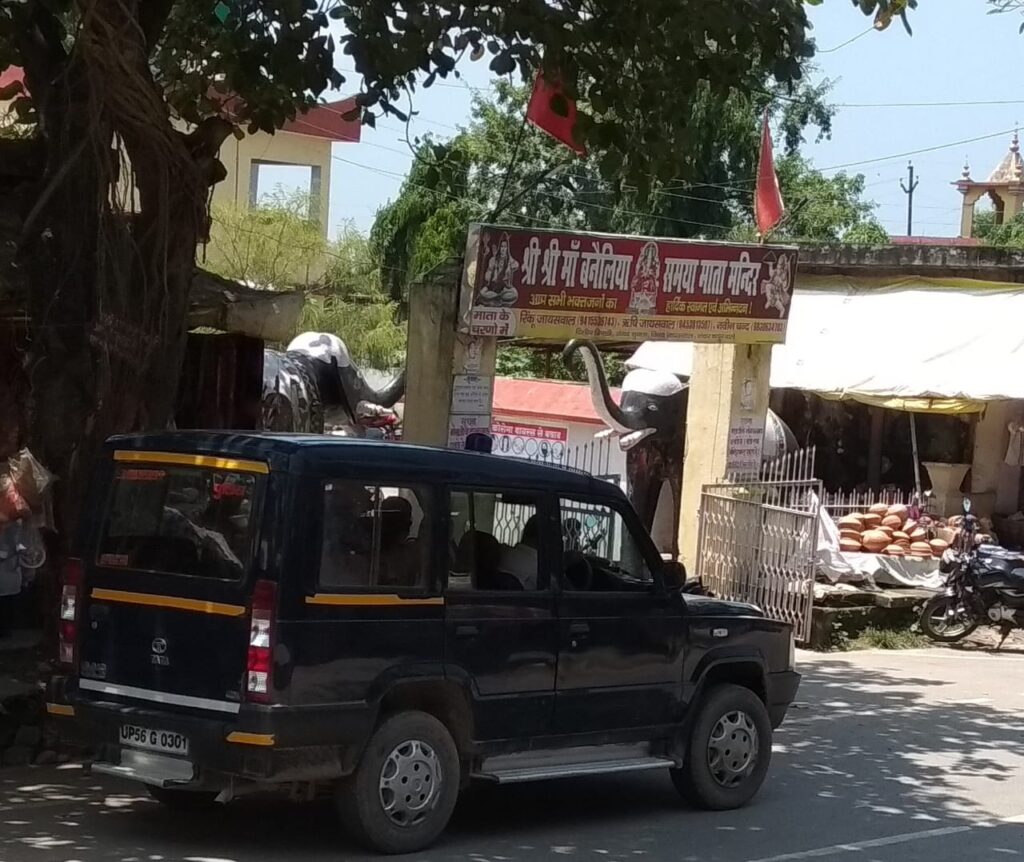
(926, 345)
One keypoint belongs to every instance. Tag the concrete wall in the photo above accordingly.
(995, 485)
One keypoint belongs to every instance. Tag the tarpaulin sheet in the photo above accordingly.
(838, 566)
(927, 345)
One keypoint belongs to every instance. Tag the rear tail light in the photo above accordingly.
(70, 596)
(261, 642)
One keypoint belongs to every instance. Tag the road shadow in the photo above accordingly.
(865, 755)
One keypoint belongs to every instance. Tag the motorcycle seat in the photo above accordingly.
(1002, 559)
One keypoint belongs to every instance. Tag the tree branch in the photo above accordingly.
(153, 15)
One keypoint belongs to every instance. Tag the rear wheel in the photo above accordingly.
(945, 619)
(184, 800)
(402, 793)
(728, 750)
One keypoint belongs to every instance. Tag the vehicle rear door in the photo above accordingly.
(168, 576)
(621, 642)
(501, 634)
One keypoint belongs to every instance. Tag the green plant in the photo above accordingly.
(874, 637)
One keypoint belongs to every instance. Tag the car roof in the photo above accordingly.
(322, 452)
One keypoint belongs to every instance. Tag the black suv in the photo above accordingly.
(395, 621)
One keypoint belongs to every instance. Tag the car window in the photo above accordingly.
(494, 541)
(179, 520)
(599, 551)
(374, 537)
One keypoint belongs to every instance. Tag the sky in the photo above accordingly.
(967, 56)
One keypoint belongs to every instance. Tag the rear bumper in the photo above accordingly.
(782, 688)
(259, 744)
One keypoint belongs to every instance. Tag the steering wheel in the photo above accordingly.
(579, 574)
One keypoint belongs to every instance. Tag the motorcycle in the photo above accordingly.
(984, 586)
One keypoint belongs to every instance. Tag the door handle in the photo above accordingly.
(579, 629)
(466, 631)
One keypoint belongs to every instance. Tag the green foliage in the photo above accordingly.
(352, 304)
(276, 244)
(637, 69)
(369, 329)
(1010, 234)
(825, 209)
(523, 362)
(1007, 6)
(874, 637)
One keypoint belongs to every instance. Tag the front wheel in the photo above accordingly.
(946, 619)
(728, 750)
(402, 793)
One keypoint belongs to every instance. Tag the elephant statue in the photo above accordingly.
(314, 386)
(650, 423)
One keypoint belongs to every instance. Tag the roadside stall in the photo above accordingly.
(926, 372)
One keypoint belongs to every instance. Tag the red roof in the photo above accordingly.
(546, 399)
(935, 240)
(326, 121)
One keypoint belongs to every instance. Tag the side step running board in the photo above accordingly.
(516, 775)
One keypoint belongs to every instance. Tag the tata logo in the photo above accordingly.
(159, 648)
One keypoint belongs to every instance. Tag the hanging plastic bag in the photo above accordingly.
(30, 477)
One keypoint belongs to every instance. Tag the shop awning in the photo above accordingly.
(925, 345)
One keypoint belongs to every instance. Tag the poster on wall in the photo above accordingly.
(472, 393)
(746, 440)
(558, 285)
(531, 442)
(460, 427)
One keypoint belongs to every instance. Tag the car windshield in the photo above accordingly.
(180, 520)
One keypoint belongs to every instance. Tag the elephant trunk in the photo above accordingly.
(600, 392)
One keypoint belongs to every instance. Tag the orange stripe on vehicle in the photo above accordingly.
(181, 459)
(362, 600)
(64, 709)
(264, 739)
(174, 602)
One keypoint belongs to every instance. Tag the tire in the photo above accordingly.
(940, 607)
(717, 777)
(184, 800)
(408, 751)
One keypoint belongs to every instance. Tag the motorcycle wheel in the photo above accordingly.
(946, 620)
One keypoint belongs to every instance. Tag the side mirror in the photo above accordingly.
(675, 574)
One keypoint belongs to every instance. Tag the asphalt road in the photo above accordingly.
(903, 756)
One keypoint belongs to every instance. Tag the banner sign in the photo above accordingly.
(558, 285)
(536, 442)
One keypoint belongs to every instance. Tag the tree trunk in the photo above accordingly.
(110, 246)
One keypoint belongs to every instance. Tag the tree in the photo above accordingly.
(353, 305)
(1009, 234)
(820, 208)
(112, 195)
(1007, 6)
(276, 244)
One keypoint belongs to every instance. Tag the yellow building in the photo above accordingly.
(1005, 188)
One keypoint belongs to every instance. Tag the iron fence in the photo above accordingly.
(757, 543)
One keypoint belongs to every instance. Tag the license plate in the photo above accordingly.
(164, 741)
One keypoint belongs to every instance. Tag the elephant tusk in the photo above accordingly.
(628, 441)
(605, 434)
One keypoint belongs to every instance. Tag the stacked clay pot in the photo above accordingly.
(888, 530)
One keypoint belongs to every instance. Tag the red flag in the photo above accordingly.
(768, 206)
(540, 113)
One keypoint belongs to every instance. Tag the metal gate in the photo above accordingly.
(757, 543)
